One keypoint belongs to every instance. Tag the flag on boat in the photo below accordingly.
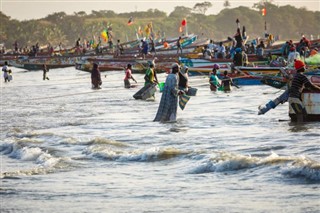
(264, 11)
(182, 25)
(104, 35)
(184, 22)
(130, 21)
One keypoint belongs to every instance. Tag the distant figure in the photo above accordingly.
(45, 70)
(5, 70)
(96, 77)
(10, 78)
(293, 54)
(227, 82)
(128, 76)
(144, 48)
(179, 46)
(78, 46)
(153, 48)
(214, 80)
(260, 49)
(238, 57)
(167, 111)
(119, 49)
(221, 51)
(299, 82)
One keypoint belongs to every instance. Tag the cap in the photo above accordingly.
(298, 64)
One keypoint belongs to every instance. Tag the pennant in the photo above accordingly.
(264, 11)
(130, 21)
(183, 100)
(104, 35)
(184, 22)
(180, 29)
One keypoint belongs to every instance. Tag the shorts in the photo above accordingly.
(297, 106)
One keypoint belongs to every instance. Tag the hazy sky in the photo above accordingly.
(34, 9)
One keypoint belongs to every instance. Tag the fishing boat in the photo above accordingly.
(139, 65)
(36, 63)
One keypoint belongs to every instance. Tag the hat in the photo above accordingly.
(216, 66)
(298, 64)
(174, 65)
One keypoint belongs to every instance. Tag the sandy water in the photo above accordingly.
(67, 148)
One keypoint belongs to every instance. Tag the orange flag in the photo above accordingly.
(264, 12)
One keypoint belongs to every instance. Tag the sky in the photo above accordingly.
(35, 9)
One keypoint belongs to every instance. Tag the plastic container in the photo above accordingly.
(161, 86)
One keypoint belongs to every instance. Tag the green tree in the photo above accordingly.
(226, 4)
(202, 7)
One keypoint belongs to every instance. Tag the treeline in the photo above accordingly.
(286, 21)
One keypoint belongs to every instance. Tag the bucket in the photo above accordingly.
(161, 86)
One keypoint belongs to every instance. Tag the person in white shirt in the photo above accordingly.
(293, 54)
(221, 51)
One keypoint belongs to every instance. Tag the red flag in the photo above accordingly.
(264, 12)
(130, 21)
(184, 22)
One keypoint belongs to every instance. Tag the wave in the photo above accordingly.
(290, 166)
(152, 154)
(44, 161)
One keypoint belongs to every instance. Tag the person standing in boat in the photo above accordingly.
(293, 55)
(45, 70)
(299, 82)
(5, 70)
(214, 80)
(128, 76)
(167, 111)
(227, 82)
(144, 50)
(238, 57)
(153, 48)
(179, 46)
(96, 77)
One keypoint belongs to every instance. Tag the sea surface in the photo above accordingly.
(67, 148)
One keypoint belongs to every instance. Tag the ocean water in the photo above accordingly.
(67, 148)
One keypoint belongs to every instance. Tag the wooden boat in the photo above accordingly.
(139, 65)
(36, 63)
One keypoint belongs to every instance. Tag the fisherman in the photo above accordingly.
(145, 47)
(45, 70)
(227, 82)
(150, 76)
(293, 54)
(128, 76)
(5, 72)
(168, 106)
(299, 82)
(214, 80)
(179, 46)
(96, 77)
(238, 57)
